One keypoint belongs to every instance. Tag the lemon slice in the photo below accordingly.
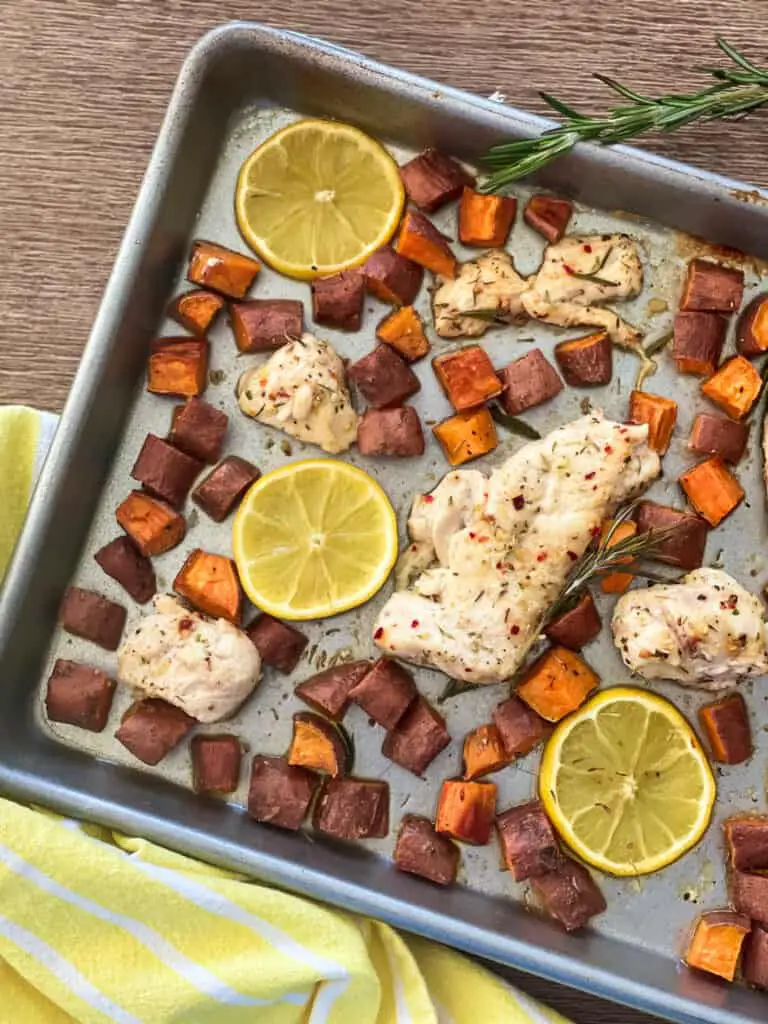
(626, 784)
(318, 197)
(313, 539)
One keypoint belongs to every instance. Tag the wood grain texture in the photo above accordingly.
(84, 85)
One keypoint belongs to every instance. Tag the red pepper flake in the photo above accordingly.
(518, 501)
(414, 547)
(587, 247)
(589, 476)
(379, 633)
(608, 449)
(468, 671)
(428, 498)
(595, 531)
(730, 603)
(542, 557)
(568, 268)
(415, 624)
(482, 540)
(573, 556)
(514, 629)
(471, 535)
(499, 565)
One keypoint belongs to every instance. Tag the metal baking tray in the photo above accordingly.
(239, 84)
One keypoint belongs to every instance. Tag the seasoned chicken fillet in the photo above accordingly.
(706, 631)
(489, 283)
(302, 390)
(578, 276)
(489, 555)
(206, 667)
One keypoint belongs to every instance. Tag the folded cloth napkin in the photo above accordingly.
(98, 927)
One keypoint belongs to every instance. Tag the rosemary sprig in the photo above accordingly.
(736, 91)
(491, 315)
(603, 558)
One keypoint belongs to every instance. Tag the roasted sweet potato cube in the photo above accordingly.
(752, 332)
(223, 270)
(417, 738)
(712, 288)
(586, 362)
(223, 488)
(319, 744)
(404, 331)
(749, 895)
(528, 842)
(198, 429)
(467, 436)
(279, 644)
(569, 894)
(698, 342)
(261, 325)
(717, 435)
(383, 378)
(164, 471)
(746, 837)
(89, 615)
(337, 300)
(716, 943)
(353, 809)
(659, 413)
(575, 627)
(466, 811)
(385, 693)
(726, 724)
(557, 683)
(79, 695)
(467, 376)
(485, 220)
(548, 215)
(216, 763)
(420, 241)
(196, 310)
(151, 728)
(754, 965)
(392, 432)
(520, 727)
(178, 367)
(431, 180)
(393, 278)
(684, 546)
(483, 752)
(617, 582)
(123, 561)
(280, 794)
(153, 525)
(328, 691)
(420, 850)
(528, 381)
(735, 387)
(210, 583)
(712, 490)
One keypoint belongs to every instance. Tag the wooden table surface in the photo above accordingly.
(84, 85)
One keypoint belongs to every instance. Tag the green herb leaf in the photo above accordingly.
(513, 423)
(454, 688)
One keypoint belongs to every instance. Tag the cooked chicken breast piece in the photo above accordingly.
(489, 283)
(489, 555)
(302, 390)
(578, 276)
(207, 667)
(706, 631)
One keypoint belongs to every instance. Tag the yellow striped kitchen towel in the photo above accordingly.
(101, 928)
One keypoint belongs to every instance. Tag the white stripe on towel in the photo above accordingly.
(194, 974)
(64, 972)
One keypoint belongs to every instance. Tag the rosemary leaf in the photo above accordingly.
(455, 688)
(513, 423)
(491, 315)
